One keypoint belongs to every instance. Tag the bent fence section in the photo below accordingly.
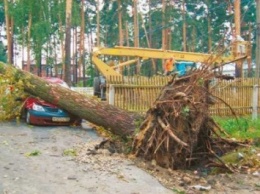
(139, 94)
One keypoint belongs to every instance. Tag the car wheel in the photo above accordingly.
(96, 88)
(28, 118)
(77, 122)
(23, 114)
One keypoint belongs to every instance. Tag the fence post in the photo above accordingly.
(255, 102)
(111, 98)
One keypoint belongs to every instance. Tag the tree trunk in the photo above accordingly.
(9, 33)
(136, 33)
(184, 26)
(82, 44)
(29, 43)
(98, 25)
(163, 26)
(67, 73)
(61, 33)
(120, 28)
(209, 29)
(237, 18)
(118, 121)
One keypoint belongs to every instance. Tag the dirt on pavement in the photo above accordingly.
(179, 181)
(193, 182)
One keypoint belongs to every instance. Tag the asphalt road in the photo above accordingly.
(50, 172)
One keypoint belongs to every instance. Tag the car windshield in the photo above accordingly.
(55, 80)
(64, 84)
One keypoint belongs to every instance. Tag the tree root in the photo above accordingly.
(168, 129)
(178, 131)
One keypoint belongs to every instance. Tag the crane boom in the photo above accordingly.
(134, 54)
(146, 53)
(159, 54)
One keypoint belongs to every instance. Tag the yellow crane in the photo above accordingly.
(145, 53)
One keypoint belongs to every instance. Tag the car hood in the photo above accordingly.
(31, 100)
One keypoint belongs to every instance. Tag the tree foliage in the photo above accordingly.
(11, 88)
(205, 20)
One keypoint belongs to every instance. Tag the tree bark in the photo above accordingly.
(82, 44)
(184, 26)
(118, 121)
(9, 33)
(120, 26)
(98, 25)
(136, 33)
(62, 47)
(67, 70)
(29, 43)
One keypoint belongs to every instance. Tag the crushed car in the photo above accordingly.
(39, 112)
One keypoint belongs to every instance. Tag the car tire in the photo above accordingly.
(78, 122)
(96, 85)
(28, 117)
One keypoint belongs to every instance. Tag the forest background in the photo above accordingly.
(61, 33)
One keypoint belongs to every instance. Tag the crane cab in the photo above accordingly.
(184, 67)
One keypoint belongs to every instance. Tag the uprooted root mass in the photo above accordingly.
(178, 131)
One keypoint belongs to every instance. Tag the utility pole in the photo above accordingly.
(257, 38)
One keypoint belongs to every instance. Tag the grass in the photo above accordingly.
(33, 153)
(242, 128)
(70, 152)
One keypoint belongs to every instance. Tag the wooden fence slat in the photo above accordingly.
(138, 93)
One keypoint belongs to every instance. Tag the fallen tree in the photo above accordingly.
(116, 120)
(177, 131)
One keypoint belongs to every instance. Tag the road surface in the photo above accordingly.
(49, 171)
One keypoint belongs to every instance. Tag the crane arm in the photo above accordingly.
(104, 68)
(161, 54)
(147, 53)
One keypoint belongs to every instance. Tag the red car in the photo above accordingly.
(39, 112)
